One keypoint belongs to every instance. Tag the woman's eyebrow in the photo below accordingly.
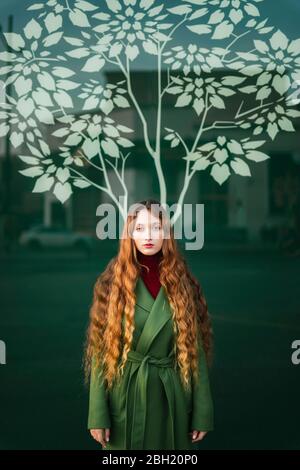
(153, 223)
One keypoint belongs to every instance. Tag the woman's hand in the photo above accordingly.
(101, 435)
(197, 435)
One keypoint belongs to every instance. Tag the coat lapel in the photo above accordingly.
(159, 313)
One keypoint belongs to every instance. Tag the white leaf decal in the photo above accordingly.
(240, 167)
(63, 99)
(251, 9)
(279, 41)
(106, 105)
(14, 40)
(294, 47)
(223, 30)
(220, 173)
(42, 97)
(207, 147)
(272, 130)
(180, 10)
(46, 81)
(115, 50)
(248, 89)
(32, 30)
(220, 155)
(91, 102)
(217, 102)
(67, 84)
(198, 13)
(43, 183)
(236, 16)
(111, 131)
(114, 5)
(44, 115)
(53, 22)
(232, 80)
(87, 6)
(29, 160)
(150, 47)
(62, 191)
(93, 64)
(22, 85)
(193, 156)
(261, 46)
(124, 128)
(79, 18)
(110, 147)
(200, 28)
(35, 151)
(36, 6)
(216, 17)
(63, 174)
(3, 129)
(286, 124)
(198, 105)
(62, 72)
(263, 93)
(281, 84)
(16, 138)
(201, 164)
(183, 100)
(125, 142)
(264, 78)
(73, 139)
(91, 147)
(132, 52)
(81, 183)
(25, 106)
(52, 39)
(44, 147)
(79, 53)
(254, 144)
(257, 156)
(235, 147)
(32, 172)
(73, 41)
(61, 132)
(121, 102)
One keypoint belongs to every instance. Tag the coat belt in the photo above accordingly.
(140, 396)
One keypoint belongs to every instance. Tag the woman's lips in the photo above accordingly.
(148, 245)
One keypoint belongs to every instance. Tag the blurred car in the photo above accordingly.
(42, 236)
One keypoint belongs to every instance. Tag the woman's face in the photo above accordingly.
(147, 231)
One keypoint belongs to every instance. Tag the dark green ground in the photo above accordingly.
(255, 307)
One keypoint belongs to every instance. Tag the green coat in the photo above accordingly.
(149, 408)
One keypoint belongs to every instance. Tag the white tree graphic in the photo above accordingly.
(117, 32)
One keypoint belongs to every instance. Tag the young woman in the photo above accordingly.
(149, 343)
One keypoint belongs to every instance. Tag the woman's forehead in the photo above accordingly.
(146, 217)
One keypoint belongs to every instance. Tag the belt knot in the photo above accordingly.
(135, 356)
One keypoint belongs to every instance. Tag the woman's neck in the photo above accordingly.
(150, 273)
(150, 260)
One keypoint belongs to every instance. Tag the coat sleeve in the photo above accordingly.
(203, 409)
(98, 414)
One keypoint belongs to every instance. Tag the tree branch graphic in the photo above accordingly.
(116, 33)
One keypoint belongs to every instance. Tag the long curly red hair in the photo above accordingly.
(106, 346)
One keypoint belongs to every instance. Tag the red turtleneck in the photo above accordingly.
(151, 278)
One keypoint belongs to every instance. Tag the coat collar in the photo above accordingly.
(159, 313)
